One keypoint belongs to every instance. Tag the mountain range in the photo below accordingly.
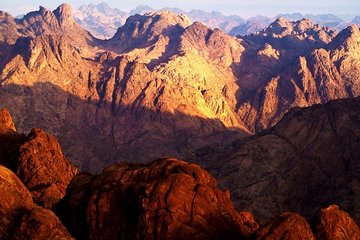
(164, 86)
(272, 117)
(102, 20)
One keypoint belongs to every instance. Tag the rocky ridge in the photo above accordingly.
(103, 21)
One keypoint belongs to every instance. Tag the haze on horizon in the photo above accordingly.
(244, 8)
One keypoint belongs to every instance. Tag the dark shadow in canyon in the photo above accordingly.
(93, 134)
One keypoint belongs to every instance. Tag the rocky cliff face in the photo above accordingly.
(310, 158)
(162, 85)
(37, 160)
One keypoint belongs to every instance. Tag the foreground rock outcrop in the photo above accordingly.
(20, 217)
(286, 227)
(333, 223)
(37, 160)
(167, 199)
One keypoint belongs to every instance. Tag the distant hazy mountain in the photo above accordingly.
(141, 9)
(258, 23)
(101, 20)
(356, 20)
(252, 25)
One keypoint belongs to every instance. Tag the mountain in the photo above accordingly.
(327, 20)
(44, 22)
(216, 19)
(101, 20)
(310, 158)
(356, 20)
(252, 25)
(141, 10)
(165, 199)
(164, 86)
(110, 101)
(306, 64)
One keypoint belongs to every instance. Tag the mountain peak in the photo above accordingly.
(353, 29)
(43, 9)
(153, 23)
(4, 15)
(280, 26)
(171, 17)
(304, 24)
(6, 122)
(64, 13)
(282, 21)
(347, 37)
(356, 20)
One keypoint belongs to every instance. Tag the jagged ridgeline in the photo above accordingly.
(102, 20)
(164, 86)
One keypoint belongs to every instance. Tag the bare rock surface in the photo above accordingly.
(334, 223)
(167, 199)
(308, 160)
(20, 218)
(288, 226)
(37, 160)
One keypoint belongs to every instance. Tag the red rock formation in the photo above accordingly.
(37, 160)
(6, 123)
(167, 199)
(288, 226)
(20, 218)
(334, 224)
(10, 140)
(43, 168)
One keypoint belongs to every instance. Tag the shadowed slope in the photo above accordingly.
(308, 160)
